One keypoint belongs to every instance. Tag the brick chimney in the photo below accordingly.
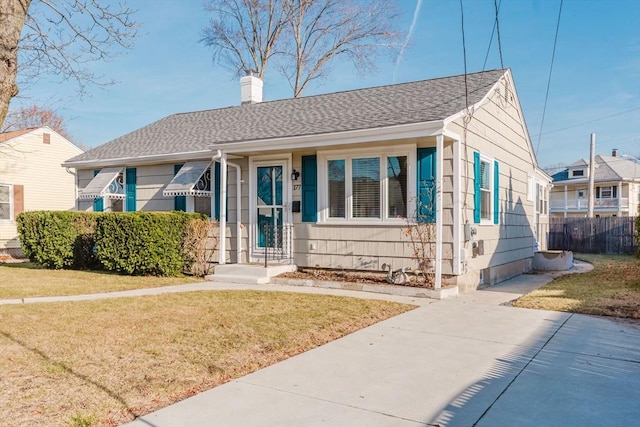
(250, 89)
(614, 152)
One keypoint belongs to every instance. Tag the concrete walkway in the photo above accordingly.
(464, 361)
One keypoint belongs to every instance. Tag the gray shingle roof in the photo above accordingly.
(608, 168)
(382, 106)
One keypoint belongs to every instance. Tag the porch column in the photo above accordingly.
(222, 244)
(565, 201)
(439, 181)
(457, 217)
(619, 198)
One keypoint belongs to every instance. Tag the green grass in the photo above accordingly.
(29, 280)
(103, 362)
(612, 288)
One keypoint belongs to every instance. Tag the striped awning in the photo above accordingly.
(193, 179)
(105, 184)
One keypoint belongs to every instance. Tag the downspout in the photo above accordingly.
(221, 248)
(223, 210)
(439, 180)
(238, 209)
(75, 189)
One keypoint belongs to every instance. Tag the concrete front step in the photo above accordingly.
(251, 274)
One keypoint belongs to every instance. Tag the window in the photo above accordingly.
(486, 201)
(366, 187)
(485, 190)
(543, 197)
(5, 202)
(606, 192)
(577, 173)
(581, 194)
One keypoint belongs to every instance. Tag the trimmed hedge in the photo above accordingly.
(142, 243)
(138, 243)
(58, 239)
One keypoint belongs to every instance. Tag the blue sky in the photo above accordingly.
(595, 84)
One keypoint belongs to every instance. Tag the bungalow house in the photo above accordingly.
(616, 188)
(332, 180)
(31, 178)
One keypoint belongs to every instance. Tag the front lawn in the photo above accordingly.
(612, 288)
(104, 362)
(24, 280)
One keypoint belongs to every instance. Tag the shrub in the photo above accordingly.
(58, 239)
(200, 242)
(142, 243)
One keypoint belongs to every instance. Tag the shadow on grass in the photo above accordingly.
(68, 370)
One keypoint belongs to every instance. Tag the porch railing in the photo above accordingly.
(278, 243)
(583, 204)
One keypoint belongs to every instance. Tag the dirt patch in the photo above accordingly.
(358, 277)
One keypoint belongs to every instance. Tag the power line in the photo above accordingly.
(589, 122)
(493, 31)
(497, 7)
(464, 53)
(546, 98)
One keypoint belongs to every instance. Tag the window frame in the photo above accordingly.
(491, 163)
(11, 204)
(382, 153)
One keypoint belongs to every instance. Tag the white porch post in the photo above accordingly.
(565, 201)
(439, 181)
(619, 198)
(457, 217)
(222, 245)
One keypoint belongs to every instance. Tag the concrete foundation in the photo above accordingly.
(553, 260)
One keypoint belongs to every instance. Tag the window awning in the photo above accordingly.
(107, 183)
(193, 179)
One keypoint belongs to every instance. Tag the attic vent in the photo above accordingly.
(46, 138)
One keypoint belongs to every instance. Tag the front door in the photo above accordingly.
(270, 227)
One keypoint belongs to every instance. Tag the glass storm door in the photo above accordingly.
(270, 207)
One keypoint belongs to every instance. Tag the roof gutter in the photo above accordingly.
(413, 130)
(139, 160)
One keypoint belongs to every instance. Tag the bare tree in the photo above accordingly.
(323, 30)
(33, 117)
(58, 38)
(243, 33)
(303, 36)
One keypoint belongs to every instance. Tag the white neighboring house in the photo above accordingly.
(32, 178)
(617, 188)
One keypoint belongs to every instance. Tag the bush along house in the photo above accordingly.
(334, 180)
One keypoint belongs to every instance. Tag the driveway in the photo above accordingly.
(465, 361)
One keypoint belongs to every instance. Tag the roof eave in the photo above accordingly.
(412, 130)
(139, 160)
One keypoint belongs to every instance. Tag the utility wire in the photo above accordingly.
(464, 53)
(493, 31)
(546, 98)
(589, 122)
(497, 7)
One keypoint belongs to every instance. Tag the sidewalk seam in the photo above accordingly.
(521, 371)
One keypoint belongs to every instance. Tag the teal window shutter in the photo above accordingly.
(216, 191)
(130, 190)
(309, 189)
(496, 193)
(476, 187)
(426, 175)
(98, 204)
(179, 202)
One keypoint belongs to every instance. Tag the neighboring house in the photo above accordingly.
(616, 188)
(31, 178)
(332, 180)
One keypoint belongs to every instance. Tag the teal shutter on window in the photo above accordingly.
(216, 191)
(476, 187)
(496, 193)
(309, 189)
(426, 175)
(98, 204)
(179, 202)
(130, 191)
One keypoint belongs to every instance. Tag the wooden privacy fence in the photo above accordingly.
(603, 235)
